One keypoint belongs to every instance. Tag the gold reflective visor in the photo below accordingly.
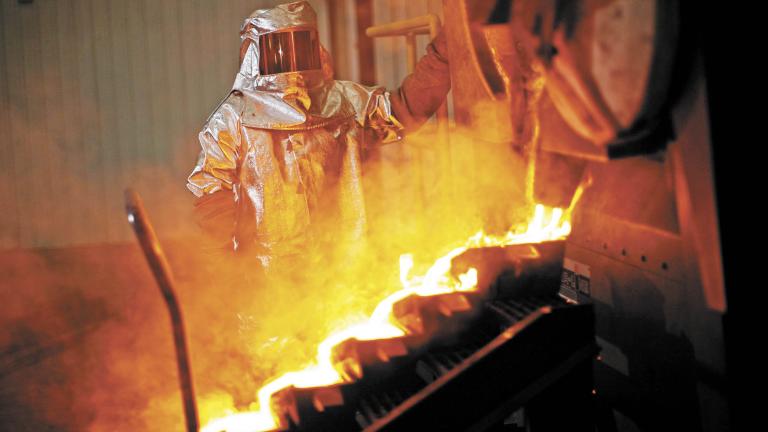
(289, 51)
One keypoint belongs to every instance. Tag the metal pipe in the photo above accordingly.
(420, 25)
(150, 245)
(410, 48)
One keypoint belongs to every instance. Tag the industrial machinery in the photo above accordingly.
(616, 91)
(468, 360)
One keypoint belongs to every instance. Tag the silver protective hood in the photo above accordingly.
(281, 155)
(291, 100)
(281, 17)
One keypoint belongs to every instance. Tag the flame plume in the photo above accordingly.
(545, 225)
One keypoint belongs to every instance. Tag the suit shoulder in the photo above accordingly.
(233, 103)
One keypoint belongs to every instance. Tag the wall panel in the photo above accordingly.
(9, 226)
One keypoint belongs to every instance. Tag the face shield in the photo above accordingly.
(292, 50)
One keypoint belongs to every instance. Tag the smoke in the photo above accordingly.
(424, 196)
(85, 341)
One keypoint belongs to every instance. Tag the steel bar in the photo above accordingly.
(139, 220)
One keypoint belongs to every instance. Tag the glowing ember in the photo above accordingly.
(544, 226)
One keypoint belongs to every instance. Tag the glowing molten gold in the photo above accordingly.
(545, 225)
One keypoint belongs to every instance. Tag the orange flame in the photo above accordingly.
(545, 225)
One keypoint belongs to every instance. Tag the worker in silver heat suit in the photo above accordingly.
(281, 155)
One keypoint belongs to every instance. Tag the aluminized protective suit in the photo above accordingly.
(283, 150)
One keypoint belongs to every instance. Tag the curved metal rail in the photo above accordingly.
(150, 245)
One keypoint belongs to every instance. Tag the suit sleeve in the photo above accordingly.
(216, 173)
(423, 91)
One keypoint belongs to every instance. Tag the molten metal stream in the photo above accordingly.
(543, 226)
